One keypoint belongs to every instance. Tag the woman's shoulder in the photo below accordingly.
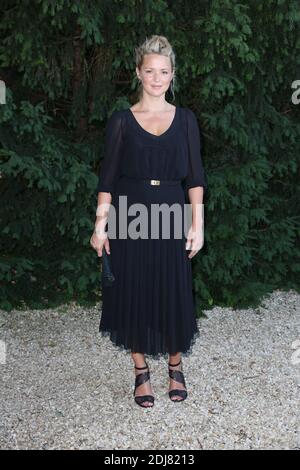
(117, 114)
(116, 117)
(190, 117)
(120, 116)
(189, 112)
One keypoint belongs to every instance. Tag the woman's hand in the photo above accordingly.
(195, 240)
(98, 241)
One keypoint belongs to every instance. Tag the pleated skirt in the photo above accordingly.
(150, 309)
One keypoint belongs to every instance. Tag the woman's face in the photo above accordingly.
(156, 74)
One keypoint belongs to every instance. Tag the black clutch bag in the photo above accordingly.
(107, 277)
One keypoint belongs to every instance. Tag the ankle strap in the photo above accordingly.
(140, 368)
(174, 365)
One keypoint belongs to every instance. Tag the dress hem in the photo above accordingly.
(156, 356)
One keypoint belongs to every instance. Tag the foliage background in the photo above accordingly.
(68, 64)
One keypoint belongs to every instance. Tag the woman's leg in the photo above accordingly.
(144, 389)
(174, 359)
(138, 359)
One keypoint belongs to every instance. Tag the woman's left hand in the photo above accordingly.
(195, 240)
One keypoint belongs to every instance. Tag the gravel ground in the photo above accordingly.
(64, 386)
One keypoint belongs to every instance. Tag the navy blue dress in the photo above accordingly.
(150, 308)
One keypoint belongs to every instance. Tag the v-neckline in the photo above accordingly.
(150, 133)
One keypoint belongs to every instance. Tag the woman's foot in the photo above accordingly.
(177, 382)
(143, 393)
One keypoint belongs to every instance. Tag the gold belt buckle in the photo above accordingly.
(155, 182)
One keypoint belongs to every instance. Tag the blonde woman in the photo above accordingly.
(152, 156)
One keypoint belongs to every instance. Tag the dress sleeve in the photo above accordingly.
(110, 167)
(196, 174)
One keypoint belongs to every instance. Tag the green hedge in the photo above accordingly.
(68, 64)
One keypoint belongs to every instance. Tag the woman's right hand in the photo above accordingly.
(98, 242)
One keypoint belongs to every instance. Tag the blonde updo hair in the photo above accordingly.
(155, 45)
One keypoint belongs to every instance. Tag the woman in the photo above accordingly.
(152, 156)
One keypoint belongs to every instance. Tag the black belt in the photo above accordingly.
(152, 182)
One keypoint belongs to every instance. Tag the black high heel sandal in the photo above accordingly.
(178, 376)
(139, 380)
